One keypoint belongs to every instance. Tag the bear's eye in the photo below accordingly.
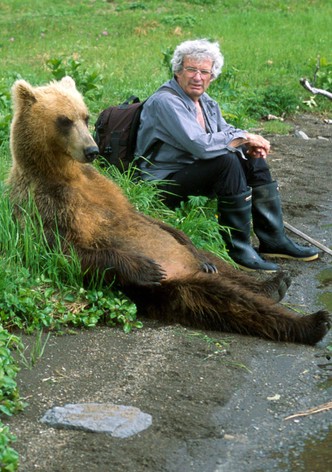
(64, 122)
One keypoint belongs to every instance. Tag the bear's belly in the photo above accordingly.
(175, 258)
(176, 268)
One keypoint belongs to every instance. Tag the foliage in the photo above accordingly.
(273, 100)
(5, 112)
(255, 103)
(198, 219)
(32, 308)
(42, 288)
(167, 56)
(9, 398)
(124, 40)
(323, 74)
(179, 20)
(321, 79)
(89, 83)
(8, 456)
(36, 351)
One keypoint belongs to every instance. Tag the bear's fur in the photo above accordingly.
(156, 265)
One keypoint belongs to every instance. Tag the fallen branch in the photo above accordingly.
(317, 409)
(307, 238)
(316, 91)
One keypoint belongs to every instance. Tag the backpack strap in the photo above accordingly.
(130, 100)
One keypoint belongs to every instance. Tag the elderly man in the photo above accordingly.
(189, 147)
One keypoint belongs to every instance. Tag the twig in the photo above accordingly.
(316, 409)
(316, 69)
(306, 84)
(308, 238)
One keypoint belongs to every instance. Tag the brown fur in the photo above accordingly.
(156, 265)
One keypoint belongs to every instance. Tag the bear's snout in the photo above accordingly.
(91, 152)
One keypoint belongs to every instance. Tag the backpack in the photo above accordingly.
(116, 132)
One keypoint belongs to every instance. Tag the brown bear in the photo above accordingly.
(156, 265)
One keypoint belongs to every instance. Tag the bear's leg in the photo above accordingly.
(210, 302)
(275, 287)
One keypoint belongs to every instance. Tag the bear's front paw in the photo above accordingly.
(150, 273)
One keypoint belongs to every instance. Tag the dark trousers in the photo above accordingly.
(224, 176)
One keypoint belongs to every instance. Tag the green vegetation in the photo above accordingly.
(114, 49)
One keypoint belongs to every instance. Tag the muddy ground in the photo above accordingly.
(213, 409)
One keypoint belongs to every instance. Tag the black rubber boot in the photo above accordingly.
(269, 227)
(235, 213)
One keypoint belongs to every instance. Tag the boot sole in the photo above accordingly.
(247, 269)
(293, 258)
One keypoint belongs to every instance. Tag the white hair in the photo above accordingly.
(199, 50)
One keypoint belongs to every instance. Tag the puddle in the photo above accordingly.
(312, 455)
(316, 456)
(326, 300)
(325, 277)
(325, 280)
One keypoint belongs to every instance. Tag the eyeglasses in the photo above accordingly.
(192, 71)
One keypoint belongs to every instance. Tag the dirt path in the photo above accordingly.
(213, 409)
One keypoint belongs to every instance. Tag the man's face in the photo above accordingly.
(194, 85)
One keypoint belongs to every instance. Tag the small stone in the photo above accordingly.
(301, 134)
(119, 421)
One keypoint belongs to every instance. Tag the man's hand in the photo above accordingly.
(258, 146)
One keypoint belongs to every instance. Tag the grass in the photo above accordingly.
(114, 49)
(266, 43)
(29, 357)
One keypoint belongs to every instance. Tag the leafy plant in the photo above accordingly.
(179, 20)
(38, 306)
(88, 82)
(10, 401)
(323, 74)
(274, 100)
(5, 111)
(166, 62)
(8, 456)
(9, 397)
(43, 288)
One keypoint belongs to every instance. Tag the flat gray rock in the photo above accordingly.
(117, 420)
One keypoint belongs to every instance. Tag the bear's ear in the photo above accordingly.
(23, 93)
(68, 82)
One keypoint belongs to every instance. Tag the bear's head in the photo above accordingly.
(50, 125)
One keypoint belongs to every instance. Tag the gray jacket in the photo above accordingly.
(171, 118)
